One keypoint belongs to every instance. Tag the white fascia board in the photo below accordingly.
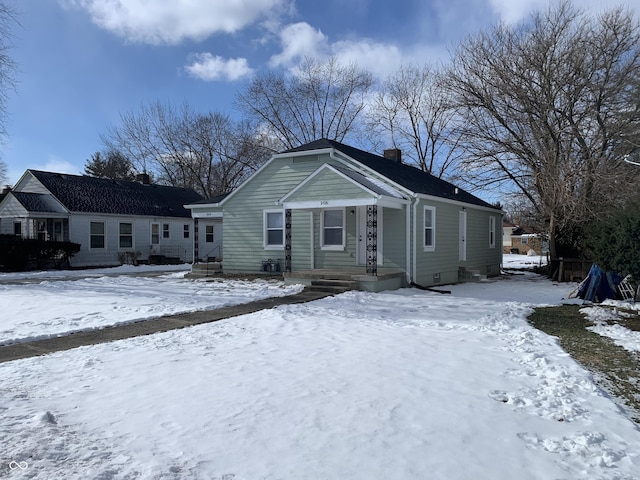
(387, 202)
(325, 166)
(206, 214)
(458, 202)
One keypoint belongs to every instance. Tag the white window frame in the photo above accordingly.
(120, 235)
(166, 230)
(343, 229)
(265, 230)
(186, 231)
(492, 232)
(104, 235)
(432, 246)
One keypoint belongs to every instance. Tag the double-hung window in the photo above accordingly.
(165, 230)
(126, 235)
(97, 235)
(208, 234)
(429, 229)
(273, 222)
(185, 231)
(333, 229)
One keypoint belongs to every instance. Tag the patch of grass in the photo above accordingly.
(615, 369)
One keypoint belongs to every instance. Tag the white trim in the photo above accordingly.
(265, 213)
(458, 202)
(343, 228)
(387, 202)
(462, 236)
(206, 214)
(312, 249)
(407, 250)
(432, 247)
(415, 239)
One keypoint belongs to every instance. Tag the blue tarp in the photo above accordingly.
(599, 285)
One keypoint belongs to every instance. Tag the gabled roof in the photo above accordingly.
(411, 178)
(100, 195)
(212, 200)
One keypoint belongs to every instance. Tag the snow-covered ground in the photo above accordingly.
(63, 302)
(396, 385)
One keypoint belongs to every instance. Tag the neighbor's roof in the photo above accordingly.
(101, 195)
(212, 200)
(411, 178)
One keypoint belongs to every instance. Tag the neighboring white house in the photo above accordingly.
(112, 220)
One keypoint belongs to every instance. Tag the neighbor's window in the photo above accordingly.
(126, 235)
(429, 228)
(185, 232)
(208, 233)
(273, 229)
(524, 240)
(155, 234)
(333, 228)
(17, 229)
(97, 235)
(492, 232)
(165, 230)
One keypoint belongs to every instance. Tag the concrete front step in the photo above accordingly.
(333, 285)
(199, 270)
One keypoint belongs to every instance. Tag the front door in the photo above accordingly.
(155, 238)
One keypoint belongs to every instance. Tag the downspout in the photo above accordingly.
(408, 243)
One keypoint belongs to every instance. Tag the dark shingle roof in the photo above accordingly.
(36, 202)
(102, 195)
(409, 177)
(212, 200)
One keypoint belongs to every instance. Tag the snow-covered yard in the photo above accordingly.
(397, 385)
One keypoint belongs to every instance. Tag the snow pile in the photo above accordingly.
(621, 336)
(400, 385)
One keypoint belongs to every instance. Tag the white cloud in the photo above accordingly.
(300, 40)
(513, 12)
(208, 68)
(172, 21)
(58, 165)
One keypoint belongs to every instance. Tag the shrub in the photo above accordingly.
(17, 254)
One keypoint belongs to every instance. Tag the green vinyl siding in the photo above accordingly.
(243, 216)
(328, 184)
(394, 234)
(444, 260)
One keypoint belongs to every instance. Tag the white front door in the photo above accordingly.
(155, 238)
(462, 249)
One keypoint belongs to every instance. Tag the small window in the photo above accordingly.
(155, 234)
(17, 229)
(492, 232)
(524, 240)
(97, 235)
(165, 230)
(274, 229)
(429, 228)
(185, 232)
(333, 228)
(208, 233)
(126, 235)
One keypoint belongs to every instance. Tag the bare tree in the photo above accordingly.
(415, 111)
(545, 105)
(323, 99)
(3, 172)
(208, 152)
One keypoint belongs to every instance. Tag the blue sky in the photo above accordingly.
(82, 63)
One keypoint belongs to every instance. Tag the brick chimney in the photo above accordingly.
(394, 154)
(143, 178)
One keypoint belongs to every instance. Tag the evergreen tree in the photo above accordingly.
(113, 165)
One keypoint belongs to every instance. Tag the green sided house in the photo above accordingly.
(326, 210)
